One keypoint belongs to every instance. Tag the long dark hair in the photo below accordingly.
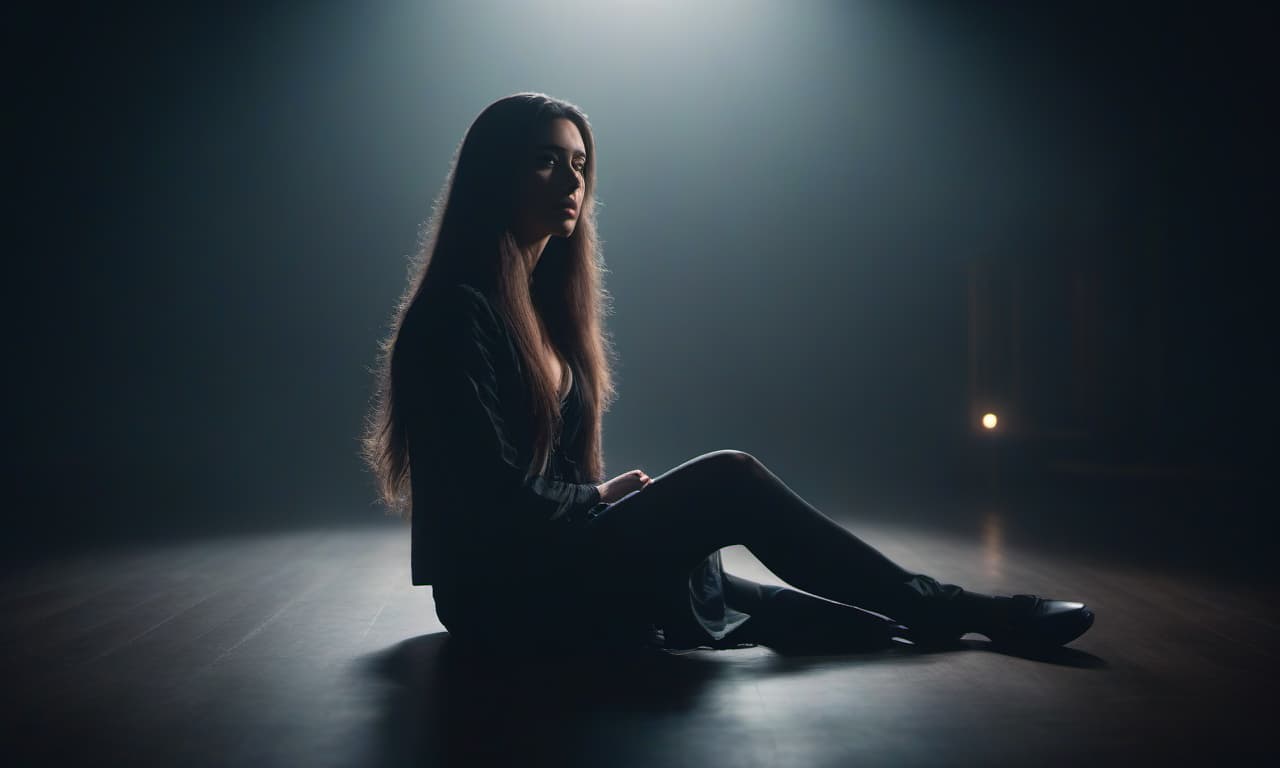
(468, 240)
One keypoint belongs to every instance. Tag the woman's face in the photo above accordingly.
(552, 183)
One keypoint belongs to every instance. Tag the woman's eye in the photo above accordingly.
(579, 167)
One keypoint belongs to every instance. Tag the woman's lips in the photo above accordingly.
(569, 210)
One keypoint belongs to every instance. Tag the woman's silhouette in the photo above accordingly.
(486, 433)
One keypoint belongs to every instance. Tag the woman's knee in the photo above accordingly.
(705, 480)
(727, 462)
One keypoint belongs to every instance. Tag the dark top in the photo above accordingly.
(468, 454)
(491, 543)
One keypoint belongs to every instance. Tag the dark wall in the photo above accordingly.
(1138, 340)
(216, 206)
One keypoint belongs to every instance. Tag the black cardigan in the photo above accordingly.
(470, 439)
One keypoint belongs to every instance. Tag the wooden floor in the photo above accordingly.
(310, 648)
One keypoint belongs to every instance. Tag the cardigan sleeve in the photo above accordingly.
(478, 443)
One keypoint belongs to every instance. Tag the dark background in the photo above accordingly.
(836, 234)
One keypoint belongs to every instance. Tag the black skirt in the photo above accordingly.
(570, 588)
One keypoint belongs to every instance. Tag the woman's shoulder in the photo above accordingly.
(464, 314)
(469, 292)
(461, 302)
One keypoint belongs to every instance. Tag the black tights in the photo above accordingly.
(728, 497)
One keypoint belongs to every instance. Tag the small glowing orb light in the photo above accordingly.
(989, 420)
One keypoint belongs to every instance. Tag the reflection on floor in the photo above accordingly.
(311, 648)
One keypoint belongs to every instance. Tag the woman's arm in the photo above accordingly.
(466, 415)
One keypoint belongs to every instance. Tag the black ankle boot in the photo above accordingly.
(935, 613)
(943, 613)
(1033, 621)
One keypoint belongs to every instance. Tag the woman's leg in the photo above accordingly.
(746, 595)
(785, 618)
(728, 497)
